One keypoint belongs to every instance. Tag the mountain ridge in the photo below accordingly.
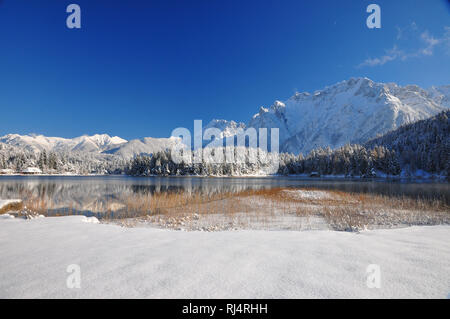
(38, 143)
(350, 111)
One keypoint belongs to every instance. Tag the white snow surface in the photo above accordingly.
(92, 220)
(6, 216)
(308, 194)
(153, 263)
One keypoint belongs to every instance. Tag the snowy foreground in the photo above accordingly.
(145, 262)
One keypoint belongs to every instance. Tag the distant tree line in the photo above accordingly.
(17, 160)
(349, 160)
(423, 145)
(161, 163)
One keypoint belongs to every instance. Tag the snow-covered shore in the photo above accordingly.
(5, 202)
(143, 262)
(9, 204)
(417, 177)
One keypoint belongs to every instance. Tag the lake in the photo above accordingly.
(97, 195)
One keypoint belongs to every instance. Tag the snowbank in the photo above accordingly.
(143, 262)
(5, 202)
(9, 204)
(6, 216)
(92, 220)
(309, 194)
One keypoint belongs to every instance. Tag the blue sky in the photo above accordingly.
(143, 68)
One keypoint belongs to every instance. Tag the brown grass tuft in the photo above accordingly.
(11, 207)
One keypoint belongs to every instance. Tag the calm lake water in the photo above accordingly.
(100, 194)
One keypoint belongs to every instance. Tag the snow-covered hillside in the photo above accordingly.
(228, 128)
(441, 94)
(36, 143)
(143, 146)
(351, 111)
(98, 144)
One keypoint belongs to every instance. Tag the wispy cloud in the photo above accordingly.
(406, 30)
(430, 41)
(446, 40)
(426, 46)
(390, 55)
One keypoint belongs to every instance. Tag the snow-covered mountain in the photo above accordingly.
(143, 146)
(441, 94)
(97, 144)
(351, 111)
(36, 143)
(228, 128)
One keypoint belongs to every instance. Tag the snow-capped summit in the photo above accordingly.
(143, 146)
(351, 111)
(228, 128)
(36, 143)
(105, 139)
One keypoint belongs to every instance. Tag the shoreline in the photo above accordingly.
(278, 208)
(430, 178)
